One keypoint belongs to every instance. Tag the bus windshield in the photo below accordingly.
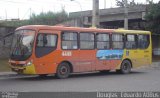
(22, 44)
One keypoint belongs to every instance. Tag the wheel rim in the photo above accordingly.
(126, 67)
(63, 70)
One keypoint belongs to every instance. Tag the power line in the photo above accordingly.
(55, 3)
(25, 13)
(10, 1)
(35, 2)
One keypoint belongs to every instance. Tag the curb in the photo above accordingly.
(7, 74)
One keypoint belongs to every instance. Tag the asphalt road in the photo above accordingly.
(144, 79)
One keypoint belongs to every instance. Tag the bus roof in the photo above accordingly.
(63, 28)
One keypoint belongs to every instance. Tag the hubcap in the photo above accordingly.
(125, 67)
(63, 70)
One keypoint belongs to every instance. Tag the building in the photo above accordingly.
(5, 40)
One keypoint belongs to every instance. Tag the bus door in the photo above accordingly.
(144, 49)
(132, 51)
(46, 43)
(87, 53)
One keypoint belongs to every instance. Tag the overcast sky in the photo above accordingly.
(23, 8)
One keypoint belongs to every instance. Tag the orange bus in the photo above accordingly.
(43, 50)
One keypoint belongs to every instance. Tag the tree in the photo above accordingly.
(121, 3)
(48, 18)
(153, 17)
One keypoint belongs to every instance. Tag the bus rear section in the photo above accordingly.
(138, 48)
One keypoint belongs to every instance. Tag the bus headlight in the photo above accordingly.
(29, 63)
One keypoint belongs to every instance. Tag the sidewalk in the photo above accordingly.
(7, 73)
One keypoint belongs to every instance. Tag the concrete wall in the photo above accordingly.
(156, 44)
(5, 43)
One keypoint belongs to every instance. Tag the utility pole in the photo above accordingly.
(6, 14)
(18, 13)
(95, 13)
(104, 4)
(30, 12)
(125, 14)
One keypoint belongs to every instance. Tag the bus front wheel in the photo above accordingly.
(63, 70)
(125, 67)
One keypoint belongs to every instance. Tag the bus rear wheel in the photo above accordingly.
(125, 67)
(63, 70)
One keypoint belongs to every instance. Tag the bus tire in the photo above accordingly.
(125, 67)
(63, 71)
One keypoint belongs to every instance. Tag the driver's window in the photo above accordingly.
(40, 40)
(45, 44)
(46, 40)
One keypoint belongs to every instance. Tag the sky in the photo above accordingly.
(22, 9)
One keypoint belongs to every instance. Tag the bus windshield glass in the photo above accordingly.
(22, 44)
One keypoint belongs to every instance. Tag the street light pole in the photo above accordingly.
(125, 14)
(104, 4)
(95, 13)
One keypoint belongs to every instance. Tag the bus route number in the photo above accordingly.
(66, 53)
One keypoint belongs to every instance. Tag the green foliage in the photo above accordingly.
(120, 3)
(153, 17)
(48, 18)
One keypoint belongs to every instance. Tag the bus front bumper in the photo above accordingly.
(24, 69)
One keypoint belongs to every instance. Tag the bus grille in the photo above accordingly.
(17, 65)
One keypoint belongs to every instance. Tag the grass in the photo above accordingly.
(4, 65)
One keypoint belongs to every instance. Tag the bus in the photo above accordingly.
(43, 50)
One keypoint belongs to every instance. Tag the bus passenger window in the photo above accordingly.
(117, 41)
(86, 40)
(131, 41)
(103, 41)
(143, 41)
(69, 40)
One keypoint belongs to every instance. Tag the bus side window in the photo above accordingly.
(143, 41)
(117, 41)
(87, 41)
(69, 40)
(131, 41)
(103, 41)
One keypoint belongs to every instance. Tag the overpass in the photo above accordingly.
(112, 17)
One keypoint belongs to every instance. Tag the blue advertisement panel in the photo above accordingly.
(109, 54)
